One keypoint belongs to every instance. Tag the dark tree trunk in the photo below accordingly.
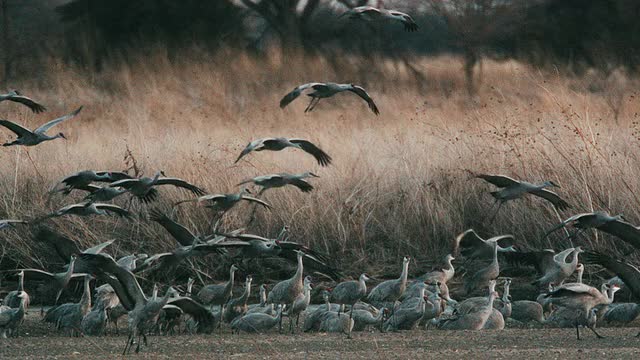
(6, 46)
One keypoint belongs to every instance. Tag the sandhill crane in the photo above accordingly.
(441, 275)
(504, 303)
(474, 320)
(130, 262)
(65, 247)
(287, 291)
(511, 189)
(59, 280)
(262, 307)
(224, 202)
(178, 231)
(526, 311)
(365, 318)
(69, 316)
(218, 294)
(481, 278)
(86, 209)
(143, 313)
(164, 263)
(621, 313)
(277, 144)
(254, 246)
(104, 294)
(470, 245)
(82, 179)
(205, 321)
(237, 306)
(7, 223)
(407, 314)
(559, 270)
(16, 96)
(300, 304)
(582, 298)
(350, 292)
(326, 90)
(614, 225)
(629, 274)
(313, 319)
(473, 304)
(95, 322)
(11, 318)
(12, 299)
(331, 321)
(144, 188)
(391, 290)
(257, 322)
(371, 14)
(27, 137)
(279, 180)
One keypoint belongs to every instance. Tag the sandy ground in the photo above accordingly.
(36, 340)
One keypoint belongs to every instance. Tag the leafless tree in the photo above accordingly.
(476, 23)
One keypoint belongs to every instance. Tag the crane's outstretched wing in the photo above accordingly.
(30, 103)
(181, 184)
(500, 181)
(360, 91)
(114, 209)
(179, 232)
(322, 157)
(553, 198)
(623, 230)
(43, 129)
(627, 272)
(287, 99)
(17, 129)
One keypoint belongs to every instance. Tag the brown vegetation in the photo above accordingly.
(399, 184)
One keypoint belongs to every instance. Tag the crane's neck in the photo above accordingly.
(229, 286)
(263, 296)
(247, 292)
(189, 288)
(85, 301)
(362, 285)
(21, 281)
(69, 272)
(405, 272)
(505, 295)
(580, 272)
(299, 272)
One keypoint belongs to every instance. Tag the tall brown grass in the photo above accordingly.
(399, 183)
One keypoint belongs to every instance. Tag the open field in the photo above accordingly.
(38, 342)
(399, 183)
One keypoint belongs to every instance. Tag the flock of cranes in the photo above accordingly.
(113, 287)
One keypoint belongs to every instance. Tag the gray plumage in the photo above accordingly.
(95, 322)
(16, 96)
(10, 319)
(12, 299)
(350, 292)
(314, 318)
(300, 304)
(474, 320)
(333, 322)
(390, 290)
(527, 311)
(407, 315)
(57, 280)
(27, 137)
(218, 294)
(325, 90)
(481, 278)
(279, 180)
(511, 189)
(277, 144)
(237, 306)
(257, 322)
(68, 317)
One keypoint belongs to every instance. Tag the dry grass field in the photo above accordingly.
(399, 183)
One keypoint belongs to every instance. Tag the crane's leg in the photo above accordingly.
(314, 103)
(310, 106)
(220, 321)
(138, 344)
(593, 328)
(495, 213)
(128, 344)
(577, 331)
